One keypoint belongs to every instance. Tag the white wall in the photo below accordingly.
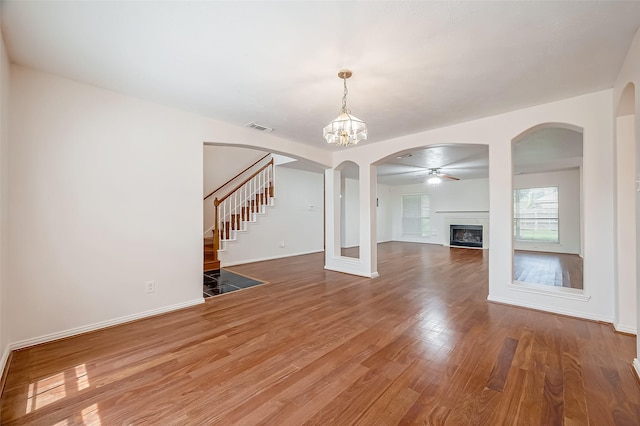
(296, 218)
(4, 205)
(385, 213)
(467, 200)
(107, 191)
(221, 163)
(630, 73)
(568, 183)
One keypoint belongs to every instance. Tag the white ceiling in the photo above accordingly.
(461, 161)
(417, 65)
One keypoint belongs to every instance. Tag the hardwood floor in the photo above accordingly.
(556, 269)
(419, 345)
(350, 252)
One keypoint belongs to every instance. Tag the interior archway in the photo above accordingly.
(270, 205)
(424, 191)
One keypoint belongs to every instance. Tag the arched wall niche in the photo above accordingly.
(349, 209)
(555, 125)
(547, 207)
(627, 102)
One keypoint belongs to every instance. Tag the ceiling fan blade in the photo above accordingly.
(445, 176)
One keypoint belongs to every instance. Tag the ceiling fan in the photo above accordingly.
(435, 176)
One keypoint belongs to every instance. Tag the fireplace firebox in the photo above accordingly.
(466, 236)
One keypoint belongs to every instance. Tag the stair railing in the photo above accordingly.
(235, 177)
(242, 204)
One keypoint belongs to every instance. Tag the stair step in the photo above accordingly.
(209, 257)
(235, 222)
(211, 265)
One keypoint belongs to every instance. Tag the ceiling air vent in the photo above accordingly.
(259, 127)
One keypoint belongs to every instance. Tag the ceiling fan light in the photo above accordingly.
(434, 180)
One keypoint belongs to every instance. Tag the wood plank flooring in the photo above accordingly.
(556, 269)
(419, 345)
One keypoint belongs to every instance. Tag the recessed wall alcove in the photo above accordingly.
(547, 207)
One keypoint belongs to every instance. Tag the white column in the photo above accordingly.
(625, 219)
(368, 228)
(500, 220)
(332, 214)
(366, 264)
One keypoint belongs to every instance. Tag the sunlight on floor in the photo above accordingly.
(53, 388)
(82, 377)
(90, 416)
(45, 391)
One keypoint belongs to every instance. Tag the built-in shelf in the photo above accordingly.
(462, 211)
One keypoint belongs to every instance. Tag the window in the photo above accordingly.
(535, 214)
(415, 215)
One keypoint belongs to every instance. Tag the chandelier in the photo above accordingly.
(345, 130)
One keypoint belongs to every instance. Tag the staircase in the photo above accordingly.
(235, 210)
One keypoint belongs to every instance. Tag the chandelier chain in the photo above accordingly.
(344, 96)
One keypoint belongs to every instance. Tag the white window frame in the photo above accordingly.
(518, 236)
(424, 217)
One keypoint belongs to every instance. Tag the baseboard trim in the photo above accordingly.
(549, 309)
(4, 367)
(343, 270)
(553, 291)
(102, 324)
(262, 259)
(636, 368)
(621, 328)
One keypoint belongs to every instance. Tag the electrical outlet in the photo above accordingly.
(150, 287)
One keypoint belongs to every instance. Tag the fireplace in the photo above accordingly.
(466, 235)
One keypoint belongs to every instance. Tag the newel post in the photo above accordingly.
(216, 231)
